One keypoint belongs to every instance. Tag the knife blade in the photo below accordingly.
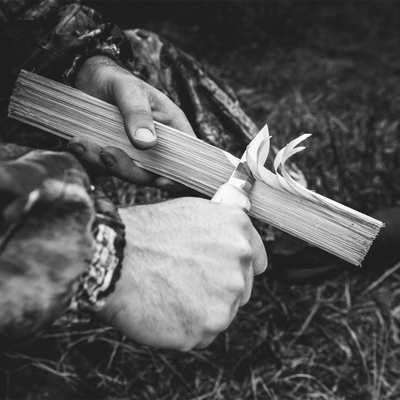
(236, 191)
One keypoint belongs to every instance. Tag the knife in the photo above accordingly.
(236, 191)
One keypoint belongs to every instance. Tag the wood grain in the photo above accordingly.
(67, 112)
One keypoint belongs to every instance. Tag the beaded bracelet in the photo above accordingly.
(100, 275)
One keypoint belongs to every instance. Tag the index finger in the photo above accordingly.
(259, 257)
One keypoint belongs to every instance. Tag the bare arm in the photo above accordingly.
(188, 267)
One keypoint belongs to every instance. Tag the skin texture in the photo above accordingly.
(186, 271)
(140, 104)
(189, 263)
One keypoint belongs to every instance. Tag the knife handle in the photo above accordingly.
(229, 194)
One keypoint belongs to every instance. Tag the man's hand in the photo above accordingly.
(188, 267)
(140, 104)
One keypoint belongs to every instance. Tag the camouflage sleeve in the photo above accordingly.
(52, 37)
(53, 226)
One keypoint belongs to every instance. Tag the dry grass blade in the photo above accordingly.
(378, 281)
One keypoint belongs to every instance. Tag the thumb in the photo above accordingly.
(133, 104)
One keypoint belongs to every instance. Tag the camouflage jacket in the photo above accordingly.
(53, 38)
(49, 212)
(46, 36)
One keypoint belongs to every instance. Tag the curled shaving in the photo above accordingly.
(256, 156)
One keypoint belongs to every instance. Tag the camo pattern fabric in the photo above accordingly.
(46, 241)
(54, 37)
(48, 37)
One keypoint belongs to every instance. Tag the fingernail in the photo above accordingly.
(77, 149)
(108, 159)
(144, 135)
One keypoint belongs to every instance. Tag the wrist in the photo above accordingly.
(91, 78)
(102, 54)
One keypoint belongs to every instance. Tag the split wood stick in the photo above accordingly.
(67, 112)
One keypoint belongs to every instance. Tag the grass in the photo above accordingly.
(328, 68)
(336, 340)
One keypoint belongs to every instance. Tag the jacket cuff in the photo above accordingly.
(104, 270)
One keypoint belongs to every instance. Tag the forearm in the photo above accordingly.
(50, 219)
(46, 214)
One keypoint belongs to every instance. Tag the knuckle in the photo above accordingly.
(243, 248)
(246, 298)
(185, 346)
(178, 342)
(219, 321)
(159, 101)
(206, 342)
(239, 217)
(238, 284)
(163, 105)
(141, 110)
(182, 340)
